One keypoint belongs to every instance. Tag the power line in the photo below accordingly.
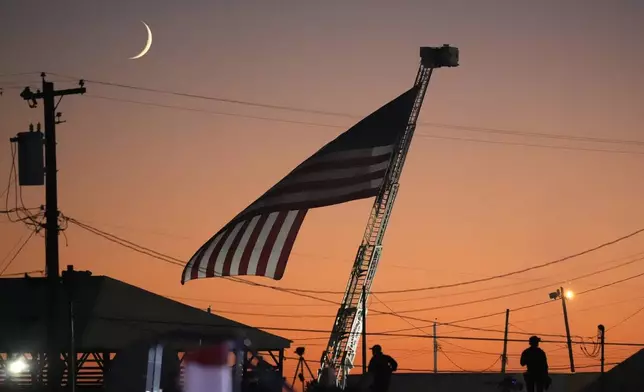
(420, 134)
(28, 219)
(524, 307)
(489, 278)
(486, 279)
(626, 318)
(472, 350)
(352, 116)
(18, 252)
(212, 301)
(275, 315)
(24, 273)
(160, 256)
(477, 301)
(178, 262)
(215, 112)
(262, 304)
(7, 75)
(508, 143)
(399, 316)
(505, 286)
(302, 291)
(479, 371)
(489, 339)
(174, 261)
(527, 306)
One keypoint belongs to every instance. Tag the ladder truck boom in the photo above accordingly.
(337, 359)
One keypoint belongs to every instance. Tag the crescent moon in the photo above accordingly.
(147, 44)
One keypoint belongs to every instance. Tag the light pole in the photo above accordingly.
(563, 295)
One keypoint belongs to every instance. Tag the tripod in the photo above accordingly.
(299, 369)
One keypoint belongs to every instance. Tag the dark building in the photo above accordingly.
(110, 319)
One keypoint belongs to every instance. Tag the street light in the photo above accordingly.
(18, 366)
(560, 293)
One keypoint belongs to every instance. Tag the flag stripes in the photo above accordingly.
(326, 182)
(353, 166)
(257, 246)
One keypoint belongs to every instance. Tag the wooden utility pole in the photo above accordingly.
(52, 265)
(602, 334)
(435, 350)
(568, 339)
(504, 356)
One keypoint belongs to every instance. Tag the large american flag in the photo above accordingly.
(258, 241)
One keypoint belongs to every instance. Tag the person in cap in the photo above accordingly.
(380, 368)
(536, 363)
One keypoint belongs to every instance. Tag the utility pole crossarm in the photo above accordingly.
(28, 95)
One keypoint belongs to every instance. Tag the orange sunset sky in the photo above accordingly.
(473, 202)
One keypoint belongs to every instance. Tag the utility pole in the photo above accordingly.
(435, 350)
(52, 268)
(504, 356)
(569, 340)
(602, 334)
(364, 329)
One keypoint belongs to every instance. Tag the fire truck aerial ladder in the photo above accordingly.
(337, 359)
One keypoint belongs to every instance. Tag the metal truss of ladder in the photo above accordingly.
(341, 348)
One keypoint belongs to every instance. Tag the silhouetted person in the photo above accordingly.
(380, 367)
(534, 358)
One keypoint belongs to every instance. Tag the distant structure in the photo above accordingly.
(106, 324)
(626, 376)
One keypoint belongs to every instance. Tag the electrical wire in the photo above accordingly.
(538, 303)
(480, 339)
(418, 134)
(471, 350)
(15, 246)
(24, 273)
(261, 304)
(399, 316)
(297, 316)
(303, 291)
(440, 350)
(516, 293)
(28, 219)
(352, 116)
(626, 319)
(18, 252)
(178, 262)
(272, 106)
(563, 259)
(460, 293)
(150, 252)
(486, 279)
(289, 329)
(171, 260)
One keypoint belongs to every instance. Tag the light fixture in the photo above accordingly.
(569, 294)
(18, 366)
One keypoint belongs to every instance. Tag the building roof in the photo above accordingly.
(626, 376)
(109, 315)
